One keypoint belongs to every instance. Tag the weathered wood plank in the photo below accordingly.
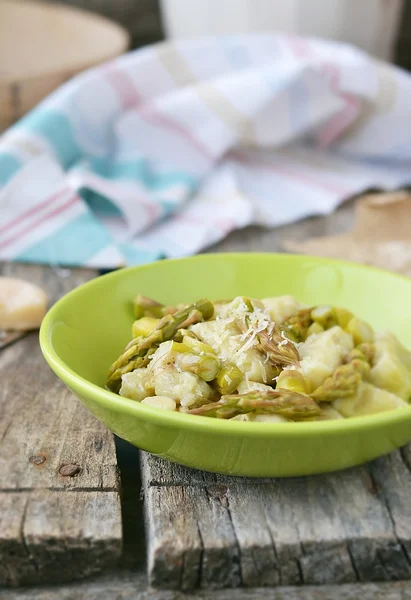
(176, 550)
(392, 478)
(49, 537)
(60, 516)
(324, 529)
(339, 528)
(133, 587)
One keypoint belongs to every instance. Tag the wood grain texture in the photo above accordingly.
(42, 46)
(60, 516)
(340, 528)
(130, 586)
(347, 527)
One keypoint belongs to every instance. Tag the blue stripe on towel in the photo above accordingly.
(9, 165)
(76, 241)
(55, 128)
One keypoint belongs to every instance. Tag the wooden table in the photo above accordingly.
(66, 515)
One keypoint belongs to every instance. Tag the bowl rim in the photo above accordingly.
(170, 419)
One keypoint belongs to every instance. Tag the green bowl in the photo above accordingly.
(87, 329)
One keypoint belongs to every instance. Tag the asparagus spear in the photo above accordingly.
(360, 331)
(364, 352)
(324, 316)
(293, 381)
(114, 381)
(182, 333)
(367, 349)
(196, 346)
(228, 379)
(278, 348)
(205, 366)
(147, 307)
(296, 326)
(342, 383)
(343, 316)
(291, 405)
(271, 341)
(167, 327)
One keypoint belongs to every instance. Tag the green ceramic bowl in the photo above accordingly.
(87, 329)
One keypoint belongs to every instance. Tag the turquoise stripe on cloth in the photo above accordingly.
(72, 244)
(100, 204)
(139, 257)
(55, 128)
(9, 165)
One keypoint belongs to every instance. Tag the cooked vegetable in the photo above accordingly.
(137, 351)
(296, 327)
(163, 402)
(269, 361)
(360, 330)
(228, 379)
(367, 400)
(343, 382)
(324, 316)
(205, 366)
(294, 381)
(314, 328)
(281, 308)
(282, 402)
(323, 353)
(144, 326)
(146, 307)
(391, 366)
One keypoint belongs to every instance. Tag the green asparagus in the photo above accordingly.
(297, 407)
(360, 331)
(147, 307)
(228, 379)
(136, 351)
(205, 366)
(365, 352)
(324, 316)
(343, 316)
(202, 367)
(295, 327)
(196, 346)
(293, 381)
(280, 350)
(343, 382)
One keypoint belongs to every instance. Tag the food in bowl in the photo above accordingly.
(269, 360)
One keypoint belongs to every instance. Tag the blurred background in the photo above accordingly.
(29, 70)
(373, 24)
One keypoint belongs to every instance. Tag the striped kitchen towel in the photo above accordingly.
(164, 151)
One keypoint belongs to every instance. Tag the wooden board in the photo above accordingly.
(131, 586)
(211, 531)
(60, 516)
